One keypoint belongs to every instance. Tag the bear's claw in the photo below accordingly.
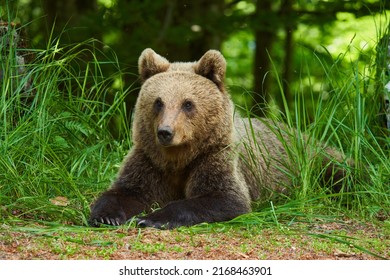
(107, 221)
(149, 223)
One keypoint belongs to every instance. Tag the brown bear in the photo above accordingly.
(191, 156)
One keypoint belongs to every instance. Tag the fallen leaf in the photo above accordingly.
(339, 253)
(60, 201)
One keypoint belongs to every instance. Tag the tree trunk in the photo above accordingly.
(289, 26)
(264, 37)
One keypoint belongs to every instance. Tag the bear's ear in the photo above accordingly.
(150, 63)
(212, 66)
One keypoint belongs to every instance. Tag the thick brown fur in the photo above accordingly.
(190, 156)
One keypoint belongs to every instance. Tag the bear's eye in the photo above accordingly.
(187, 106)
(158, 105)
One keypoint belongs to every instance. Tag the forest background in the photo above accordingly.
(260, 39)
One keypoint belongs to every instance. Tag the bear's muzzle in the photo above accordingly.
(165, 135)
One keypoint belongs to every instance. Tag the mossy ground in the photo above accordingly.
(344, 239)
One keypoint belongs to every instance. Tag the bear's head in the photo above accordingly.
(183, 109)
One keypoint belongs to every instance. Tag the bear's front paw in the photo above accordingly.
(114, 208)
(107, 210)
(169, 217)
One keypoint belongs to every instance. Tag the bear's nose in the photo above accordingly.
(165, 135)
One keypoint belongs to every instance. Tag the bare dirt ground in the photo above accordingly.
(346, 241)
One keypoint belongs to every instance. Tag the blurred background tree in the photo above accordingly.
(269, 45)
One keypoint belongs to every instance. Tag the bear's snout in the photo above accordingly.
(165, 135)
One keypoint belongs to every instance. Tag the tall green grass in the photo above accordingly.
(348, 119)
(56, 138)
(344, 117)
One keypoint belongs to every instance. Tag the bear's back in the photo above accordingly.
(263, 159)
